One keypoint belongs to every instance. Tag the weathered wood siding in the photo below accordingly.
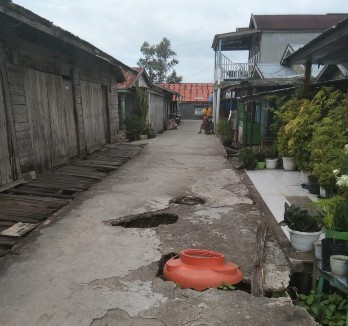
(156, 112)
(94, 115)
(59, 101)
(5, 161)
(49, 101)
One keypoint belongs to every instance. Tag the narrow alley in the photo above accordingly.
(80, 268)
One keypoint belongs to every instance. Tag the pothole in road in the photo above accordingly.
(188, 200)
(146, 220)
(163, 261)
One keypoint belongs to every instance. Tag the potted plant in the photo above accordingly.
(247, 156)
(335, 221)
(225, 132)
(304, 227)
(339, 265)
(260, 158)
(271, 157)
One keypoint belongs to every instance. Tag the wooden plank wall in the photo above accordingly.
(93, 115)
(20, 117)
(5, 161)
(52, 123)
(61, 101)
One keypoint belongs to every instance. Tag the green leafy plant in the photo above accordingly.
(225, 131)
(247, 156)
(335, 216)
(142, 104)
(299, 219)
(259, 154)
(271, 151)
(329, 136)
(134, 127)
(226, 287)
(329, 309)
(283, 115)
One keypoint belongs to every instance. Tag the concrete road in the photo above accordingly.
(78, 269)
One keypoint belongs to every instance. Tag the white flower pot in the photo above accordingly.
(303, 241)
(271, 163)
(338, 265)
(304, 177)
(289, 163)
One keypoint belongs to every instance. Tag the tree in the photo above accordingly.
(158, 61)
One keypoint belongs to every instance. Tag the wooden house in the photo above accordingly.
(58, 95)
(160, 99)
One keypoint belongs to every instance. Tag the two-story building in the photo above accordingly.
(268, 39)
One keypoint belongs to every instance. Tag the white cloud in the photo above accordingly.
(120, 27)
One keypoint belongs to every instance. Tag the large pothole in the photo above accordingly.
(146, 220)
(188, 200)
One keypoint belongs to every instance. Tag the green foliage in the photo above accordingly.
(299, 219)
(158, 60)
(259, 154)
(142, 104)
(283, 115)
(224, 130)
(271, 151)
(134, 127)
(247, 156)
(336, 213)
(330, 309)
(329, 136)
(226, 287)
(313, 131)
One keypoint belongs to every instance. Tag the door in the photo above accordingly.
(252, 126)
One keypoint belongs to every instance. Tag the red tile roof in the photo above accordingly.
(296, 22)
(192, 92)
(131, 77)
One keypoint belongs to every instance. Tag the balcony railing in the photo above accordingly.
(230, 70)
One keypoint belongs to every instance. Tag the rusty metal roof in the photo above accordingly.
(131, 76)
(295, 22)
(192, 92)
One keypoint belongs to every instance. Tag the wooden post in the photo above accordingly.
(257, 276)
(307, 77)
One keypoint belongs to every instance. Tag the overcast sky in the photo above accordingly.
(119, 28)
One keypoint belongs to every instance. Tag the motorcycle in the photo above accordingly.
(208, 125)
(176, 116)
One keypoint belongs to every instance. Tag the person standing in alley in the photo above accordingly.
(207, 112)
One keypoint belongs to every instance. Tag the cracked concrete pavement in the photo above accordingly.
(78, 269)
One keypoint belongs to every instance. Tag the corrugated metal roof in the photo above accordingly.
(295, 22)
(275, 70)
(192, 92)
(295, 47)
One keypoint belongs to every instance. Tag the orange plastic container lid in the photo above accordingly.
(200, 269)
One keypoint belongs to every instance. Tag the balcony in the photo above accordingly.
(229, 70)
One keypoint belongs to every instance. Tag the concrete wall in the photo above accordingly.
(273, 44)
